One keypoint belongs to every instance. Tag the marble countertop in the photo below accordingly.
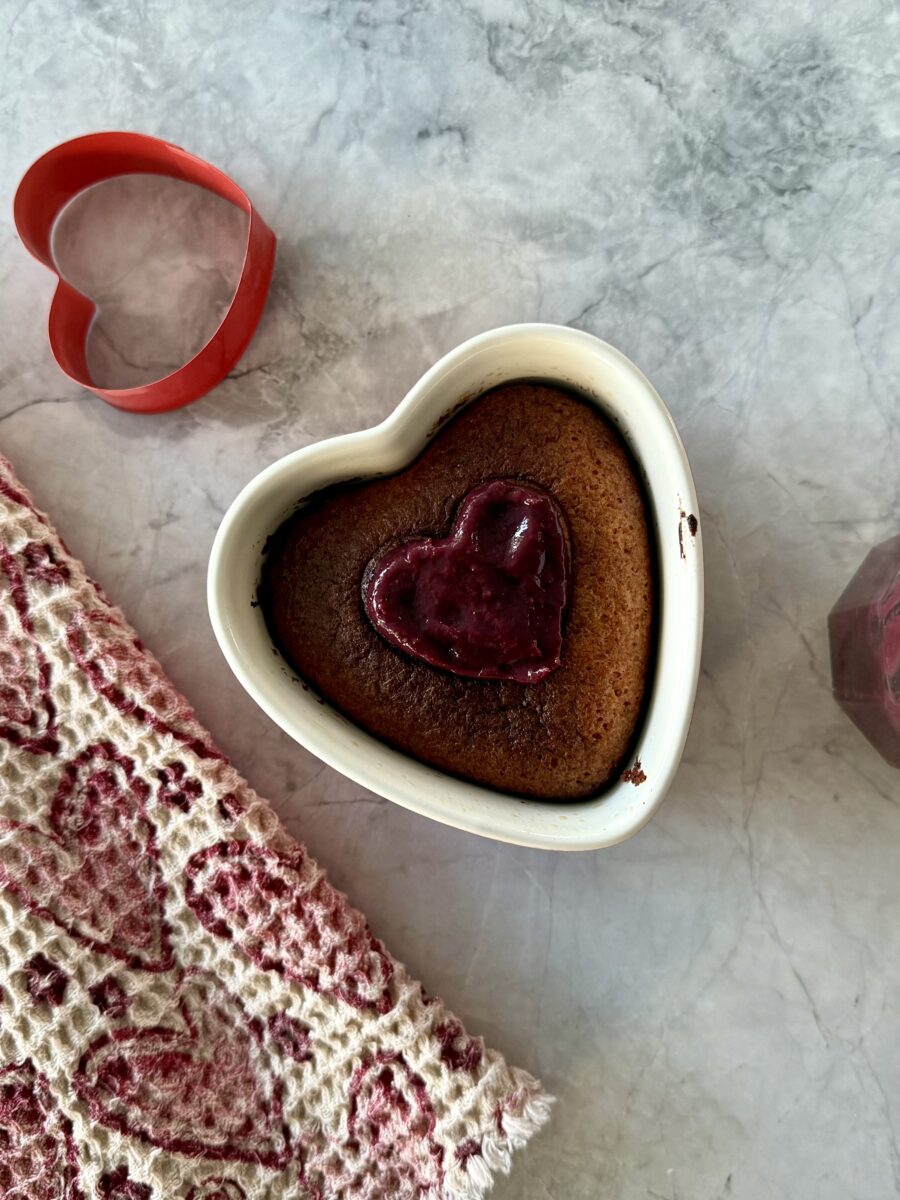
(713, 188)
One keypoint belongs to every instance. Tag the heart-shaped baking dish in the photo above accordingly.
(603, 376)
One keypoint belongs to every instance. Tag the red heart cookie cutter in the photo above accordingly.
(59, 175)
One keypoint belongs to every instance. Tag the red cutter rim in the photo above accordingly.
(65, 171)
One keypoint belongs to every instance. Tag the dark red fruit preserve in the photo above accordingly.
(487, 601)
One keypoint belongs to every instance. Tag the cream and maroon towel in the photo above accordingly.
(188, 1009)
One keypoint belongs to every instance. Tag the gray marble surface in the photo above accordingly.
(714, 188)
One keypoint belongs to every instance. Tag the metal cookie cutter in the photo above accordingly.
(59, 175)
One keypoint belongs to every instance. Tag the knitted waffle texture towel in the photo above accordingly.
(188, 1009)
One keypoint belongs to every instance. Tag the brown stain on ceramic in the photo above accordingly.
(635, 774)
(693, 525)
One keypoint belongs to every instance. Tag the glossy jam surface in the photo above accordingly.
(487, 601)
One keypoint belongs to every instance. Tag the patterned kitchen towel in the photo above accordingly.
(188, 1009)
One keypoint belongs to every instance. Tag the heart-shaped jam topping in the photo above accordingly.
(487, 601)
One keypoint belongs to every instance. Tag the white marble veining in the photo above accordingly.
(714, 188)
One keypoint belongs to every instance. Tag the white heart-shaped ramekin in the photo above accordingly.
(606, 378)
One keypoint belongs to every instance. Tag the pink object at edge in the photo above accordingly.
(864, 634)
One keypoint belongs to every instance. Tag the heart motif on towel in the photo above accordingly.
(285, 916)
(95, 872)
(217, 1187)
(119, 668)
(486, 601)
(390, 1125)
(204, 1085)
(27, 711)
(38, 1158)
